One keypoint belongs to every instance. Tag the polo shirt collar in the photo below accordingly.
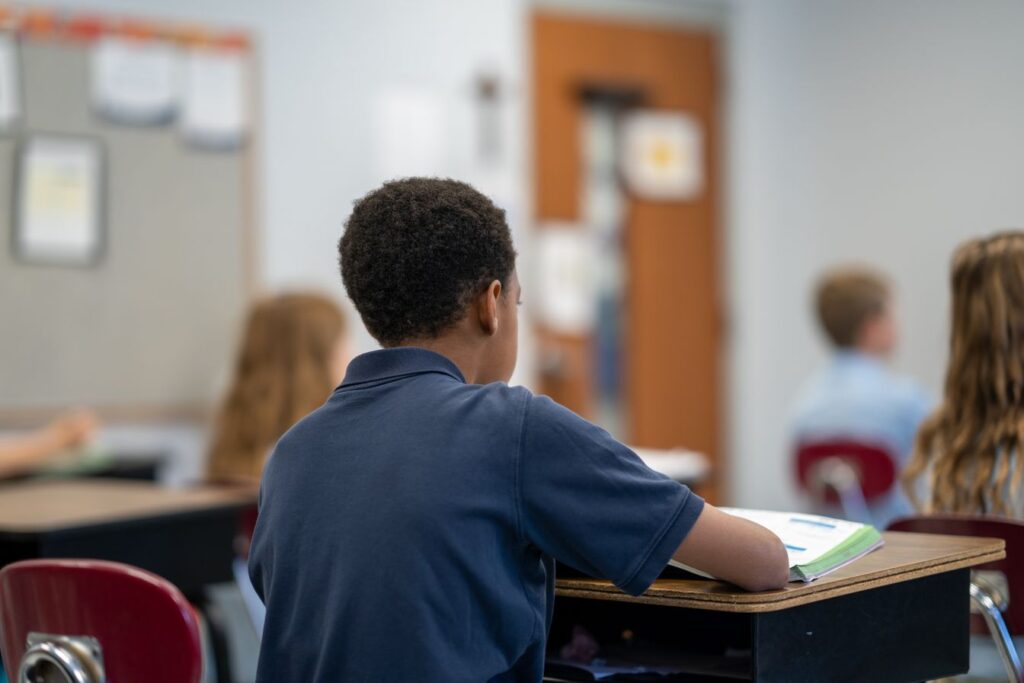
(855, 357)
(397, 362)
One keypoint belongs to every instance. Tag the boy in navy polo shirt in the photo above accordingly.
(408, 528)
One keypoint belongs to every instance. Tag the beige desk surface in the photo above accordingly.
(903, 557)
(44, 506)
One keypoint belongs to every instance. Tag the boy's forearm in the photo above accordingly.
(735, 550)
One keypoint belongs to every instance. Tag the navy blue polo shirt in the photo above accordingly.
(408, 527)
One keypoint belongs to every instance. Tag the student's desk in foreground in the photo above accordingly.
(184, 535)
(898, 614)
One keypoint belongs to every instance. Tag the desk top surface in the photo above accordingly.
(36, 507)
(904, 556)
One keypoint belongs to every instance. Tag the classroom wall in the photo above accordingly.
(872, 130)
(325, 66)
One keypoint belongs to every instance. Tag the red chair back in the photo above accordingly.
(146, 629)
(1012, 566)
(875, 467)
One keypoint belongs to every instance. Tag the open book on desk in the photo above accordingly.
(816, 545)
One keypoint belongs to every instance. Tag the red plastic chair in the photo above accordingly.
(88, 621)
(992, 584)
(846, 472)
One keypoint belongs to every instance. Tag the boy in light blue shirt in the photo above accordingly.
(856, 397)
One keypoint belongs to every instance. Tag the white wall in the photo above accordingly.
(872, 130)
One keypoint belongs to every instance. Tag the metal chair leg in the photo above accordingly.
(837, 474)
(984, 603)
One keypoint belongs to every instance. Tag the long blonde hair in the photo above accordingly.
(283, 371)
(970, 444)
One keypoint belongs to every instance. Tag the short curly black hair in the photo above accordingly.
(415, 252)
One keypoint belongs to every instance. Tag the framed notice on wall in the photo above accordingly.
(663, 155)
(58, 212)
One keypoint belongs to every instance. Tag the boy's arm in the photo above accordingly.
(735, 550)
(590, 502)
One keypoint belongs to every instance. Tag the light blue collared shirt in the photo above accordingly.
(857, 397)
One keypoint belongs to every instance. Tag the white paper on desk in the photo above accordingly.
(59, 199)
(409, 137)
(136, 81)
(215, 94)
(568, 300)
(10, 88)
(678, 464)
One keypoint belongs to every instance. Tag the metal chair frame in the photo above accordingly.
(990, 583)
(988, 601)
(78, 659)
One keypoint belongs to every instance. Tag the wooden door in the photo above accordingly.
(672, 368)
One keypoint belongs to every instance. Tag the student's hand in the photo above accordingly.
(72, 429)
(735, 550)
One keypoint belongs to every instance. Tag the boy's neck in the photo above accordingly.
(466, 356)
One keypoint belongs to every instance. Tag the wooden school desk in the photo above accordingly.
(898, 614)
(185, 536)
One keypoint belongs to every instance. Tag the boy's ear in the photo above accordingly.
(487, 308)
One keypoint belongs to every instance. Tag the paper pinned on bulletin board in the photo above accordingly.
(662, 155)
(136, 81)
(567, 303)
(214, 105)
(59, 202)
(10, 88)
(409, 133)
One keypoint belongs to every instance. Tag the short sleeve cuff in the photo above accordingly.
(665, 545)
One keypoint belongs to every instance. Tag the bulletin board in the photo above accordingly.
(149, 329)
